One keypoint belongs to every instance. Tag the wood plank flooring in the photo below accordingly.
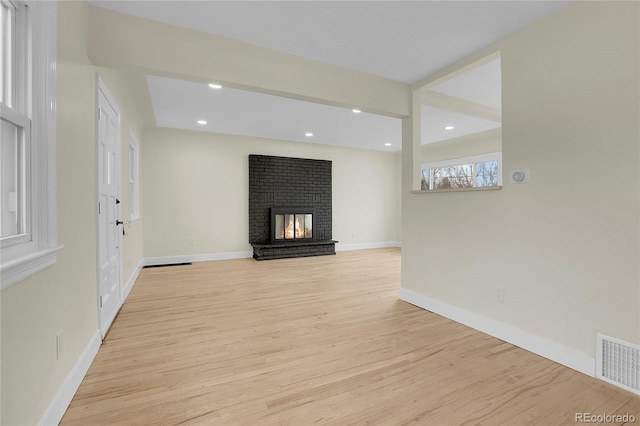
(319, 340)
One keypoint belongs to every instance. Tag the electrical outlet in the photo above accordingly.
(192, 241)
(353, 235)
(59, 346)
(500, 294)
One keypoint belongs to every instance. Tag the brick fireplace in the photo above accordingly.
(290, 207)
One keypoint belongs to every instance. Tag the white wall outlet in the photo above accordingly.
(59, 345)
(500, 294)
(519, 176)
(192, 241)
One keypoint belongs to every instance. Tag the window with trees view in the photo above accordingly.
(469, 172)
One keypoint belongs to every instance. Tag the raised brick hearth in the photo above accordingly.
(296, 249)
(289, 183)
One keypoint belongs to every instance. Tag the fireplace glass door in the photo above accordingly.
(293, 226)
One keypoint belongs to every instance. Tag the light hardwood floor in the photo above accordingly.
(315, 340)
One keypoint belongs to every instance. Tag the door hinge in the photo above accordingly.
(99, 114)
(101, 301)
(99, 211)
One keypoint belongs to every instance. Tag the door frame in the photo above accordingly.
(102, 87)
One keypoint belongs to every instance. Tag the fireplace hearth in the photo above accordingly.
(289, 207)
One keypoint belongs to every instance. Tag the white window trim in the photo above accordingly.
(17, 112)
(464, 160)
(134, 179)
(23, 260)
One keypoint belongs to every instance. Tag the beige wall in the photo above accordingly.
(196, 185)
(63, 298)
(565, 246)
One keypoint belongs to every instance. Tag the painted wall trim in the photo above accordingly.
(168, 260)
(531, 342)
(63, 398)
(365, 246)
(132, 279)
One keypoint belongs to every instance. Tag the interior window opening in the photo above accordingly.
(459, 145)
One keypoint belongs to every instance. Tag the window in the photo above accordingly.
(134, 178)
(27, 146)
(14, 149)
(469, 172)
(458, 113)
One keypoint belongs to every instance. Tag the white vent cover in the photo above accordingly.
(618, 362)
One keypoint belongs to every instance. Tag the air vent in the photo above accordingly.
(618, 362)
(163, 265)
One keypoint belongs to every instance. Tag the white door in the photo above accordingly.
(109, 225)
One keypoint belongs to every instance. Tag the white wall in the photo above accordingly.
(196, 186)
(565, 247)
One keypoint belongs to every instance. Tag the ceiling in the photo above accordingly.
(400, 40)
(180, 104)
(481, 85)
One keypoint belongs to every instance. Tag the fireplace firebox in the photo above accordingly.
(291, 224)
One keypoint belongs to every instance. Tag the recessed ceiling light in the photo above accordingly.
(449, 128)
(357, 111)
(215, 86)
(387, 144)
(203, 122)
(308, 134)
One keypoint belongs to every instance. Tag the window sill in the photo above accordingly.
(482, 188)
(16, 270)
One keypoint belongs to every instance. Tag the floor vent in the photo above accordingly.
(162, 265)
(618, 362)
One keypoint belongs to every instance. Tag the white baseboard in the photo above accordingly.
(544, 347)
(63, 398)
(132, 279)
(170, 260)
(365, 246)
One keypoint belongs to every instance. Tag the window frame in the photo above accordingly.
(15, 110)
(35, 98)
(23, 172)
(134, 179)
(481, 158)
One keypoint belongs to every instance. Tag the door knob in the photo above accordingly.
(118, 222)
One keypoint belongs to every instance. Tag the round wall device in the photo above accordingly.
(518, 176)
